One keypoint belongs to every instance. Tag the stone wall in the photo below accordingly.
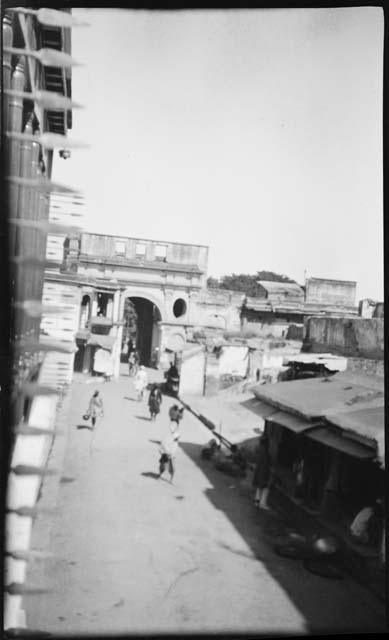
(352, 337)
(325, 291)
(219, 308)
(192, 371)
(366, 365)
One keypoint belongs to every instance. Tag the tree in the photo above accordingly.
(213, 283)
(245, 282)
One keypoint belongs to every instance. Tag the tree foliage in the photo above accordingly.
(246, 282)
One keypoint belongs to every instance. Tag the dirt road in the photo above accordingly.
(135, 554)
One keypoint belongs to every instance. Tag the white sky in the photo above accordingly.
(257, 132)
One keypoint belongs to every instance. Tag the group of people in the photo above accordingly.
(233, 463)
(169, 445)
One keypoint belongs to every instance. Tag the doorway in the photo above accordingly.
(142, 318)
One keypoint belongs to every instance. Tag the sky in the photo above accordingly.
(255, 132)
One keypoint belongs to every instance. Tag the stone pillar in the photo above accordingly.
(109, 313)
(94, 304)
(116, 306)
(116, 364)
(168, 300)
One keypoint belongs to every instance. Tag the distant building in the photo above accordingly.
(322, 291)
(280, 308)
(369, 308)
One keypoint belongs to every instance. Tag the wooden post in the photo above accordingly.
(205, 370)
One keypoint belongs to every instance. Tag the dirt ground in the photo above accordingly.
(135, 554)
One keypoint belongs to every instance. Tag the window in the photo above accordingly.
(140, 250)
(120, 247)
(160, 251)
(179, 307)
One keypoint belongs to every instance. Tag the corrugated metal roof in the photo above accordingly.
(338, 441)
(262, 409)
(295, 423)
(353, 403)
(368, 422)
(284, 288)
(317, 396)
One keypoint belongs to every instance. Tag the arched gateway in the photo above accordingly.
(141, 328)
(160, 281)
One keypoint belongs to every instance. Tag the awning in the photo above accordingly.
(294, 423)
(368, 423)
(341, 442)
(101, 321)
(262, 409)
(105, 342)
(83, 334)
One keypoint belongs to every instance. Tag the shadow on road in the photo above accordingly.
(150, 474)
(261, 530)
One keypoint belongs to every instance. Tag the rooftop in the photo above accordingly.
(282, 288)
(331, 280)
(121, 237)
(354, 403)
(140, 263)
(315, 397)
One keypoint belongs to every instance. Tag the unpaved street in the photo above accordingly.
(135, 554)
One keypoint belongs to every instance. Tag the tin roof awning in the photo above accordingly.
(316, 397)
(342, 442)
(82, 334)
(105, 342)
(292, 422)
(101, 321)
(368, 422)
(262, 409)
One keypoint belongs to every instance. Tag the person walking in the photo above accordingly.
(168, 451)
(175, 415)
(95, 408)
(155, 401)
(133, 363)
(261, 476)
(140, 382)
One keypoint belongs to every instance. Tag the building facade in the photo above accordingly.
(36, 93)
